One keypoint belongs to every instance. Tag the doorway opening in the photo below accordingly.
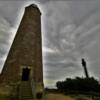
(25, 74)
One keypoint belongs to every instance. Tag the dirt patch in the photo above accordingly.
(58, 97)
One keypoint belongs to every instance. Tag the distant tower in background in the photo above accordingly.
(85, 68)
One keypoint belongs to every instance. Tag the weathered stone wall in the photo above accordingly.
(26, 49)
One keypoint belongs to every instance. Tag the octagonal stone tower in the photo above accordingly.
(24, 61)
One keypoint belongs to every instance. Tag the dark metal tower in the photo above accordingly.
(85, 67)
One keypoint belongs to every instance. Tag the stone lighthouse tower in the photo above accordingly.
(23, 66)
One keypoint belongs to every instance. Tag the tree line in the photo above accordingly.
(78, 84)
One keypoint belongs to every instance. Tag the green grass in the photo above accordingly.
(5, 97)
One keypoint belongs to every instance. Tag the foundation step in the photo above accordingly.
(25, 91)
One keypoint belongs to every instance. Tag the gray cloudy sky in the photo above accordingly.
(70, 29)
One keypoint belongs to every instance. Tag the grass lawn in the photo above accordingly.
(58, 97)
(5, 97)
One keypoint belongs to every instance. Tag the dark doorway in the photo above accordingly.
(25, 74)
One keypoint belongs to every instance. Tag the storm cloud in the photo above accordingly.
(70, 31)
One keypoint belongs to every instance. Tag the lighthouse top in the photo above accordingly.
(34, 6)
